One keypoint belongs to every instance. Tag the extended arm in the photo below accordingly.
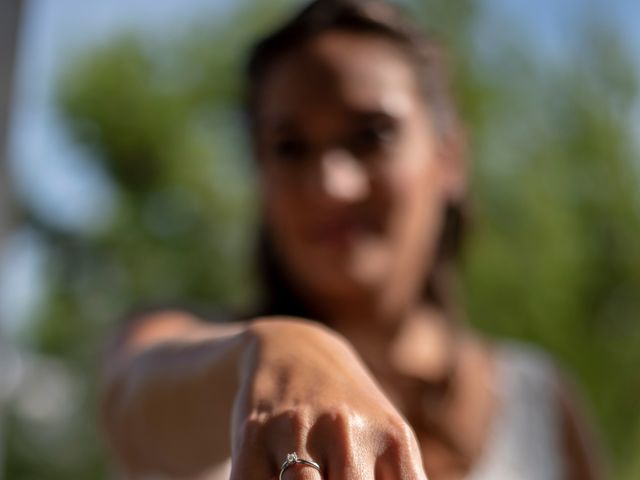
(182, 396)
(169, 385)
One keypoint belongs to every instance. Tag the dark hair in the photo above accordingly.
(378, 18)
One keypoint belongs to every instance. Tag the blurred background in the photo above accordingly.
(125, 180)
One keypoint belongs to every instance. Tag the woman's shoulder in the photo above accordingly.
(525, 435)
(528, 363)
(527, 386)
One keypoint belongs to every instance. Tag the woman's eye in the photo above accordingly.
(290, 149)
(372, 138)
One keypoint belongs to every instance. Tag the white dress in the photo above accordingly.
(525, 440)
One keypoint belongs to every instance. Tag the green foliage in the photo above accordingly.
(553, 257)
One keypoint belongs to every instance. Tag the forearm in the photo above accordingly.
(170, 384)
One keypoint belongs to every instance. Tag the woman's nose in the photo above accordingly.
(343, 177)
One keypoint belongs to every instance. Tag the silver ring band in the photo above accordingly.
(292, 459)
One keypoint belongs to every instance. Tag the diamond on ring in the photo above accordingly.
(292, 459)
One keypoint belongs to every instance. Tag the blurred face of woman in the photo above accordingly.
(353, 178)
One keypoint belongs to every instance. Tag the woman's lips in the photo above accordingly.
(336, 233)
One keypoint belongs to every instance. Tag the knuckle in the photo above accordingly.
(400, 435)
(342, 422)
(292, 424)
(250, 430)
(259, 426)
(343, 419)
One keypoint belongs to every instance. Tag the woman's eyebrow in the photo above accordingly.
(375, 114)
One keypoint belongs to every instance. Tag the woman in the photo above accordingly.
(359, 364)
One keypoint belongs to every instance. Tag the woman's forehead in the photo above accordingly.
(339, 70)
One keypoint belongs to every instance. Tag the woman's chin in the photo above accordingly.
(348, 275)
(348, 285)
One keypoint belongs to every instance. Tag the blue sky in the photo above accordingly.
(50, 171)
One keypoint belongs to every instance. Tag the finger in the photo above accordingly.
(302, 471)
(393, 467)
(397, 472)
(401, 459)
(289, 432)
(250, 455)
(292, 431)
(346, 451)
(352, 470)
(251, 464)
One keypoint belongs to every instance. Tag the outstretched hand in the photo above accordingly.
(303, 389)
